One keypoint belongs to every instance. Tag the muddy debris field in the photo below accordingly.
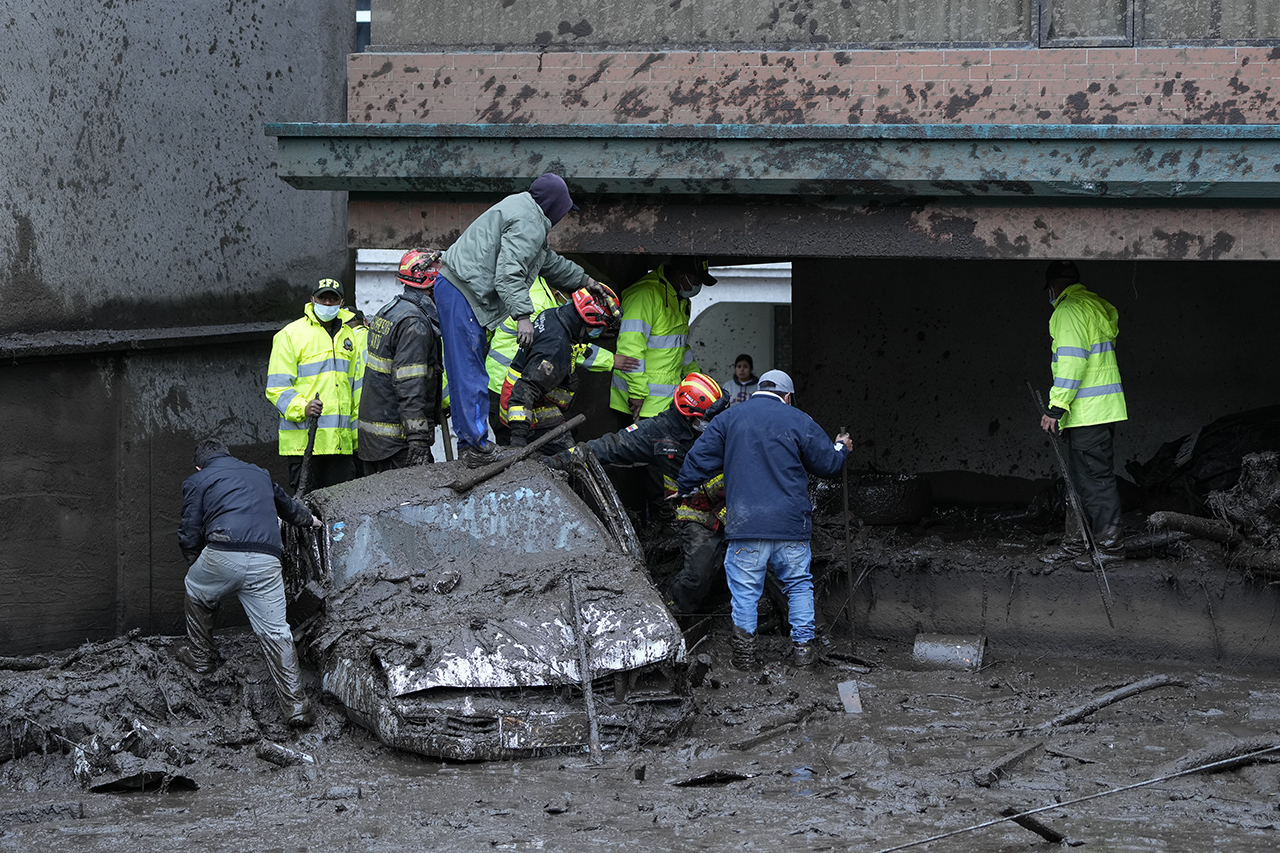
(116, 746)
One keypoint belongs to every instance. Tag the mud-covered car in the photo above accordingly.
(442, 620)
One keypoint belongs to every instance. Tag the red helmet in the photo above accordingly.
(595, 310)
(696, 393)
(418, 268)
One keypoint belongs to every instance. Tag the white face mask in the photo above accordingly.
(325, 313)
(691, 292)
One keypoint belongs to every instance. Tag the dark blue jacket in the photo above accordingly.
(766, 449)
(229, 505)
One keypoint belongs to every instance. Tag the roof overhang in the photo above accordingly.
(1213, 164)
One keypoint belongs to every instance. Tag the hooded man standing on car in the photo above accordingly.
(485, 277)
(766, 449)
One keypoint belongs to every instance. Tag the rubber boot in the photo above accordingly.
(198, 653)
(803, 654)
(742, 646)
(1071, 546)
(1110, 548)
(282, 661)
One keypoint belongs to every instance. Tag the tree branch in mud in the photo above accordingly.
(1219, 755)
(1213, 529)
(1079, 713)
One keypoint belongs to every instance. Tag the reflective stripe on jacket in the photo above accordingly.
(1086, 374)
(655, 329)
(663, 441)
(541, 382)
(306, 362)
(399, 395)
(503, 346)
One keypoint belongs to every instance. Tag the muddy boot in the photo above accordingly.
(803, 654)
(1110, 549)
(1070, 548)
(743, 648)
(282, 661)
(198, 653)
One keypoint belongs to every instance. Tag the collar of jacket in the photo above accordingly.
(422, 299)
(1066, 291)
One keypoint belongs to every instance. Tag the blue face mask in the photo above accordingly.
(594, 331)
(325, 313)
(1053, 302)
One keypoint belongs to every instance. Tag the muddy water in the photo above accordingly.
(824, 780)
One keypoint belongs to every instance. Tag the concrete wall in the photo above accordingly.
(137, 184)
(926, 360)
(139, 194)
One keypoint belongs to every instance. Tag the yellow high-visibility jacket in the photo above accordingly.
(306, 362)
(1086, 375)
(503, 345)
(655, 329)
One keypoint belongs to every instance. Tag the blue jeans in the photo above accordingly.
(466, 344)
(745, 565)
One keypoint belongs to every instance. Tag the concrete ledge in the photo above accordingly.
(24, 347)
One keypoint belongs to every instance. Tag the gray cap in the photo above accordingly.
(776, 380)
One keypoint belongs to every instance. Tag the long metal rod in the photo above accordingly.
(848, 551)
(1052, 806)
(584, 673)
(1099, 573)
(514, 457)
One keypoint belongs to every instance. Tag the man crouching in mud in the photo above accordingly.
(231, 540)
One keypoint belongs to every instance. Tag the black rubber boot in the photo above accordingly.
(282, 662)
(198, 653)
(1071, 546)
(743, 648)
(1110, 549)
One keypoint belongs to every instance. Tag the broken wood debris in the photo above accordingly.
(1040, 829)
(1080, 712)
(986, 776)
(714, 778)
(1060, 754)
(1225, 755)
(282, 756)
(1052, 806)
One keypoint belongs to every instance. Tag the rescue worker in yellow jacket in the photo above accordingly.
(312, 372)
(504, 345)
(1085, 404)
(655, 329)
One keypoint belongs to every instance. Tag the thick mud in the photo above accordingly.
(772, 762)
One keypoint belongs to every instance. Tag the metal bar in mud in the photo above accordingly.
(1099, 574)
(848, 550)
(520, 454)
(625, 533)
(1082, 711)
(584, 672)
(1052, 806)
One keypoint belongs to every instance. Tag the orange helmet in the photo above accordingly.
(696, 393)
(597, 311)
(418, 268)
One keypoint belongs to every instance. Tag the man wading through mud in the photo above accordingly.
(766, 449)
(1085, 403)
(485, 276)
(230, 537)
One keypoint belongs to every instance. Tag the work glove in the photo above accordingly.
(420, 453)
(519, 435)
(524, 332)
(556, 463)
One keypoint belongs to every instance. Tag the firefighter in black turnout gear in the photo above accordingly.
(662, 442)
(541, 381)
(402, 373)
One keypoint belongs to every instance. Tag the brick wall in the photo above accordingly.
(1210, 85)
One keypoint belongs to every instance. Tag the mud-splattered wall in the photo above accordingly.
(139, 193)
(1190, 85)
(928, 358)
(137, 183)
